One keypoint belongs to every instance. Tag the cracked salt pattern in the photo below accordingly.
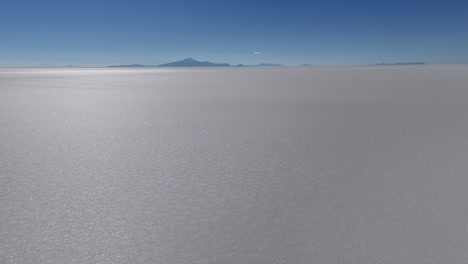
(289, 165)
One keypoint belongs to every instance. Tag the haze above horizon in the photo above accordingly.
(100, 33)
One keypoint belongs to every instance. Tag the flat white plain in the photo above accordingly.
(269, 165)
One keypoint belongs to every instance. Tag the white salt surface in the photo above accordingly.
(336, 165)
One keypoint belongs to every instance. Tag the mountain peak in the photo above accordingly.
(189, 59)
(190, 62)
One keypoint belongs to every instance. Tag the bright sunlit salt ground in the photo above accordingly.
(279, 165)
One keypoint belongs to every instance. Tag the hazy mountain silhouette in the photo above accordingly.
(306, 65)
(403, 63)
(189, 62)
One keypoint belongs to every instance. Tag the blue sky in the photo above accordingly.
(96, 33)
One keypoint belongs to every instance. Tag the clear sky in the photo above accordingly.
(325, 32)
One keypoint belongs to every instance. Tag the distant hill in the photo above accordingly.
(189, 62)
(306, 65)
(403, 63)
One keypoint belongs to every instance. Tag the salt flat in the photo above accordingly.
(232, 165)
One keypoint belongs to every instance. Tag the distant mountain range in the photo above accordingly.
(189, 62)
(403, 63)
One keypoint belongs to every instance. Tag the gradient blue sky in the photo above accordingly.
(96, 33)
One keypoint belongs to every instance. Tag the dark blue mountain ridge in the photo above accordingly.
(189, 62)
